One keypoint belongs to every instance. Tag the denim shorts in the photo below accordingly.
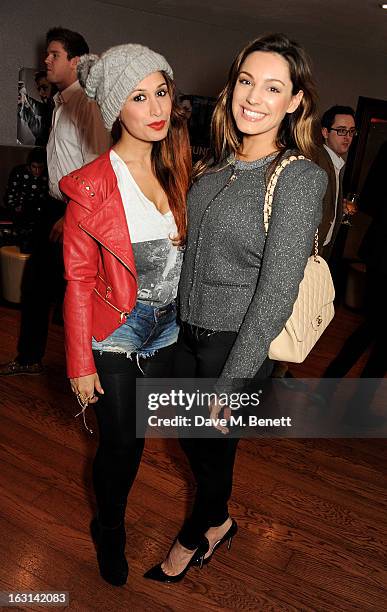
(146, 330)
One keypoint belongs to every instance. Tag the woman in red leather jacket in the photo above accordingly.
(124, 227)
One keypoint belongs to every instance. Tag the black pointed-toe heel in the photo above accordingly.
(110, 544)
(158, 574)
(228, 536)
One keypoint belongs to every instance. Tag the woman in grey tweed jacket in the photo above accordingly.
(238, 287)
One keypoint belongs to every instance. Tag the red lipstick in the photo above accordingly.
(157, 125)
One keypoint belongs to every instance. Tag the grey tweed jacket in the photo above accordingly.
(233, 278)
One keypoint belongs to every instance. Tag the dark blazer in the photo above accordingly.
(329, 202)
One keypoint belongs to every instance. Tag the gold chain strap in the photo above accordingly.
(270, 194)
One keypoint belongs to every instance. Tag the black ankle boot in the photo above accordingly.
(110, 543)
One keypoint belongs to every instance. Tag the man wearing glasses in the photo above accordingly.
(338, 130)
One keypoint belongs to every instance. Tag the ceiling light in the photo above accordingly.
(383, 6)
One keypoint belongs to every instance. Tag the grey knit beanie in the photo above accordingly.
(110, 78)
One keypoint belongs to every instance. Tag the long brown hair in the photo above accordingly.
(297, 130)
(172, 163)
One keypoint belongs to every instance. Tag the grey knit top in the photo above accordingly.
(233, 279)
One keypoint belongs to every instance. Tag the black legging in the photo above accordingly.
(200, 354)
(42, 281)
(119, 452)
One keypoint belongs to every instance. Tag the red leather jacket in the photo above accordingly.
(99, 262)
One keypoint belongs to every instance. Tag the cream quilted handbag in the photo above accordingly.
(313, 309)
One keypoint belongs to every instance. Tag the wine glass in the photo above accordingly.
(349, 207)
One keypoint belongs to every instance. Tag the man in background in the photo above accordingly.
(77, 137)
(338, 130)
(26, 197)
(371, 333)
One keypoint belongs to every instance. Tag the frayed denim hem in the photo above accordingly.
(129, 354)
(118, 350)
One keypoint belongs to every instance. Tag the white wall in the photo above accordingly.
(199, 54)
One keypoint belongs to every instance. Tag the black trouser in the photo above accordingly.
(373, 331)
(119, 452)
(333, 253)
(200, 353)
(42, 281)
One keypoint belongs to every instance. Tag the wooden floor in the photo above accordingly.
(312, 513)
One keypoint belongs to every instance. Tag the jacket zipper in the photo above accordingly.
(109, 289)
(123, 314)
(107, 248)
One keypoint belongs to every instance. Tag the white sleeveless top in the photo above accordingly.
(158, 262)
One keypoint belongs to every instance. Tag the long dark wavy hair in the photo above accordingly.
(297, 130)
(172, 162)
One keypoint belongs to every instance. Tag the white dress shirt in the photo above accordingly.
(338, 163)
(77, 135)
